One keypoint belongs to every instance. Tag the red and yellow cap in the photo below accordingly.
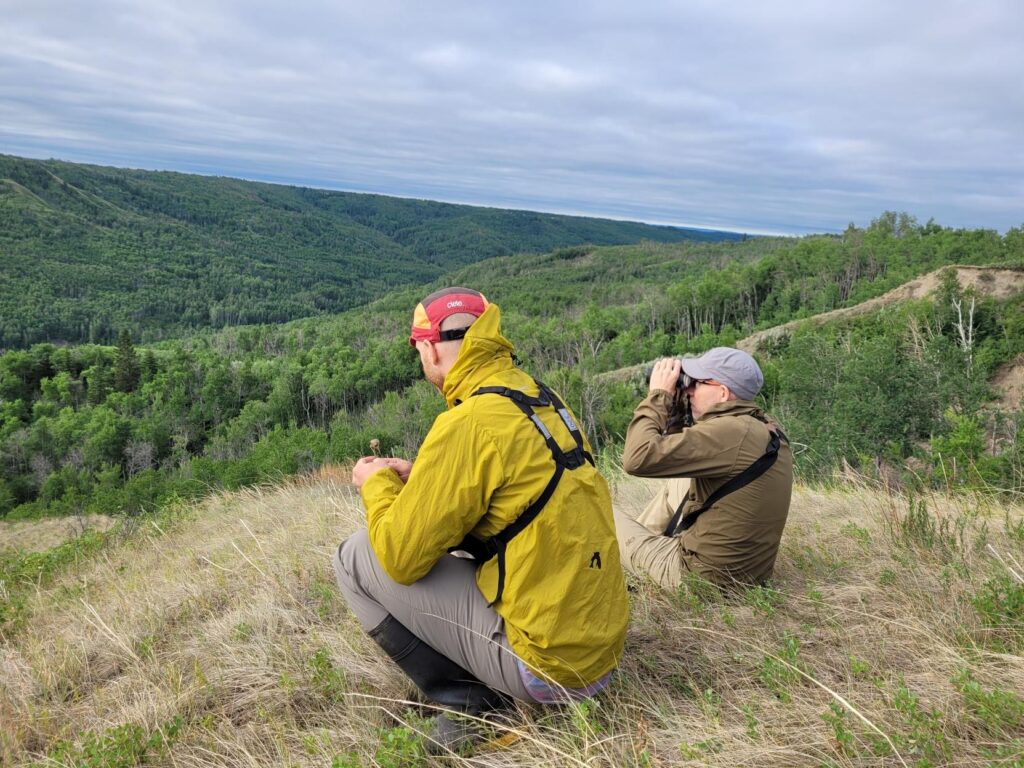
(440, 305)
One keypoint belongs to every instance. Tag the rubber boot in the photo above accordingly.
(442, 681)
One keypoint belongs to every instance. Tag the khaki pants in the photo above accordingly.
(444, 609)
(643, 547)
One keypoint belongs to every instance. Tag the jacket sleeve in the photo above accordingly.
(707, 449)
(449, 489)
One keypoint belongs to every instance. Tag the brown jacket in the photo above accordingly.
(737, 539)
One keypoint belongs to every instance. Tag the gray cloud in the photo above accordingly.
(796, 116)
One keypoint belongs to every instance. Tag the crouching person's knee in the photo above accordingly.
(347, 558)
(354, 564)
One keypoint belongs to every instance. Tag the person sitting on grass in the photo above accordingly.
(721, 513)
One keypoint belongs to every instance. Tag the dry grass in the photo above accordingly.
(222, 631)
(39, 535)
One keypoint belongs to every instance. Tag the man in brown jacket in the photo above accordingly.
(721, 513)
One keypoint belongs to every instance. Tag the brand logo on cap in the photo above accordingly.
(456, 303)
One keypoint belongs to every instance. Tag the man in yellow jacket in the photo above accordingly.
(505, 475)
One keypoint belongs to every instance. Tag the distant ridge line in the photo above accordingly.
(996, 282)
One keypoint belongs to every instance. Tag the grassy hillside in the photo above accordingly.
(86, 251)
(215, 636)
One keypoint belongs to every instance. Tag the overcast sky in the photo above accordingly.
(734, 114)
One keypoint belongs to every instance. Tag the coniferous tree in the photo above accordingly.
(97, 383)
(149, 366)
(126, 364)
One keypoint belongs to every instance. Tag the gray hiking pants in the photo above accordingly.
(444, 609)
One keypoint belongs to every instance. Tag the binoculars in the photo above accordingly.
(683, 383)
(681, 415)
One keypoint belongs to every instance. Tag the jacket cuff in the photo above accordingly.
(382, 486)
(661, 403)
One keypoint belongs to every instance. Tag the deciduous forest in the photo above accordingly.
(903, 392)
(87, 252)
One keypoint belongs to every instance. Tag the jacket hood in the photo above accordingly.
(484, 352)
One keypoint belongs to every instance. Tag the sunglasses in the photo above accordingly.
(689, 381)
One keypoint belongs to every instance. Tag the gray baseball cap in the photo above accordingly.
(732, 367)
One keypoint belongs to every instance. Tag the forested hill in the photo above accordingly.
(87, 251)
(92, 428)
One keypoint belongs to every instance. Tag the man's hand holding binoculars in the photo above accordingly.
(665, 375)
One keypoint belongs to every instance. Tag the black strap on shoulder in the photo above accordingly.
(484, 549)
(678, 523)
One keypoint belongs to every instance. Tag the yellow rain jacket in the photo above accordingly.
(481, 465)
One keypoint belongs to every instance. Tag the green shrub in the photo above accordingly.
(123, 746)
(999, 712)
(1000, 603)
(764, 599)
(329, 681)
(400, 747)
(782, 669)
(21, 571)
(925, 735)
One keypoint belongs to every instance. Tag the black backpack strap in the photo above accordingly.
(678, 523)
(547, 397)
(483, 550)
(579, 454)
(496, 545)
(515, 395)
